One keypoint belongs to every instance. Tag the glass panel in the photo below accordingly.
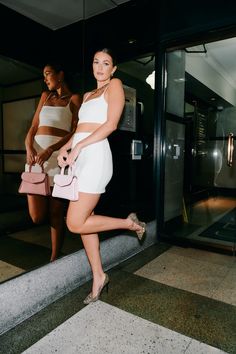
(175, 83)
(174, 162)
(200, 170)
(23, 245)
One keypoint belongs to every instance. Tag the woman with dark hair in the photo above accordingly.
(53, 124)
(89, 151)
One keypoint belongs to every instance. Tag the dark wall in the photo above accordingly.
(132, 29)
(181, 17)
(23, 39)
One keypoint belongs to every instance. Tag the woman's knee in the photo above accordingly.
(38, 209)
(37, 218)
(74, 226)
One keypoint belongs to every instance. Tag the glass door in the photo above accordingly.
(200, 161)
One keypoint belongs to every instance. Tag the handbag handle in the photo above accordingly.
(42, 168)
(71, 170)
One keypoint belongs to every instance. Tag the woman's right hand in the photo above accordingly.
(62, 158)
(31, 155)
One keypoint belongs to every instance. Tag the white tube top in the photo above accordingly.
(56, 117)
(93, 110)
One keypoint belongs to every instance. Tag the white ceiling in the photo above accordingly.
(221, 56)
(56, 14)
(224, 55)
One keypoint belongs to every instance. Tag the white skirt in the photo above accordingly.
(94, 166)
(42, 142)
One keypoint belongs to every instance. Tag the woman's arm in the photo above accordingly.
(29, 139)
(116, 101)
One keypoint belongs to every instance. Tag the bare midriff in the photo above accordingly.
(87, 127)
(45, 130)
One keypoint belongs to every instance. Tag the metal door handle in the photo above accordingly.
(177, 151)
(230, 149)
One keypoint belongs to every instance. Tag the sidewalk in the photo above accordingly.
(165, 299)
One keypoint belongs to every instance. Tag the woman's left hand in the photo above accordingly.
(73, 155)
(43, 156)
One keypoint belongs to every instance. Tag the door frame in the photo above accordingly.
(163, 47)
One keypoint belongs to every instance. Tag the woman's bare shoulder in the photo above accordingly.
(86, 94)
(46, 94)
(44, 97)
(115, 82)
(115, 86)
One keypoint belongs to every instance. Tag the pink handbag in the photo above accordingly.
(66, 186)
(35, 183)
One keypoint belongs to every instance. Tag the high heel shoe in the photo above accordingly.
(90, 298)
(134, 218)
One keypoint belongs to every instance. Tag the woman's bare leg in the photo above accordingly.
(92, 249)
(79, 218)
(90, 241)
(43, 208)
(38, 208)
(56, 211)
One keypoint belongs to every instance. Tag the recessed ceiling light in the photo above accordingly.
(180, 79)
(132, 41)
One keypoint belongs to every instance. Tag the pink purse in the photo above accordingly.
(66, 186)
(35, 183)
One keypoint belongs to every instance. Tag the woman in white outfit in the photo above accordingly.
(52, 126)
(99, 115)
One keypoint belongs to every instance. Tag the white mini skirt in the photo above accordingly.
(42, 142)
(94, 166)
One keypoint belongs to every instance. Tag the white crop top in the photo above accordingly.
(93, 110)
(56, 117)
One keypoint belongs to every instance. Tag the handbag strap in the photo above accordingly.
(42, 168)
(62, 172)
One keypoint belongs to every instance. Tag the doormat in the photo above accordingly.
(223, 229)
